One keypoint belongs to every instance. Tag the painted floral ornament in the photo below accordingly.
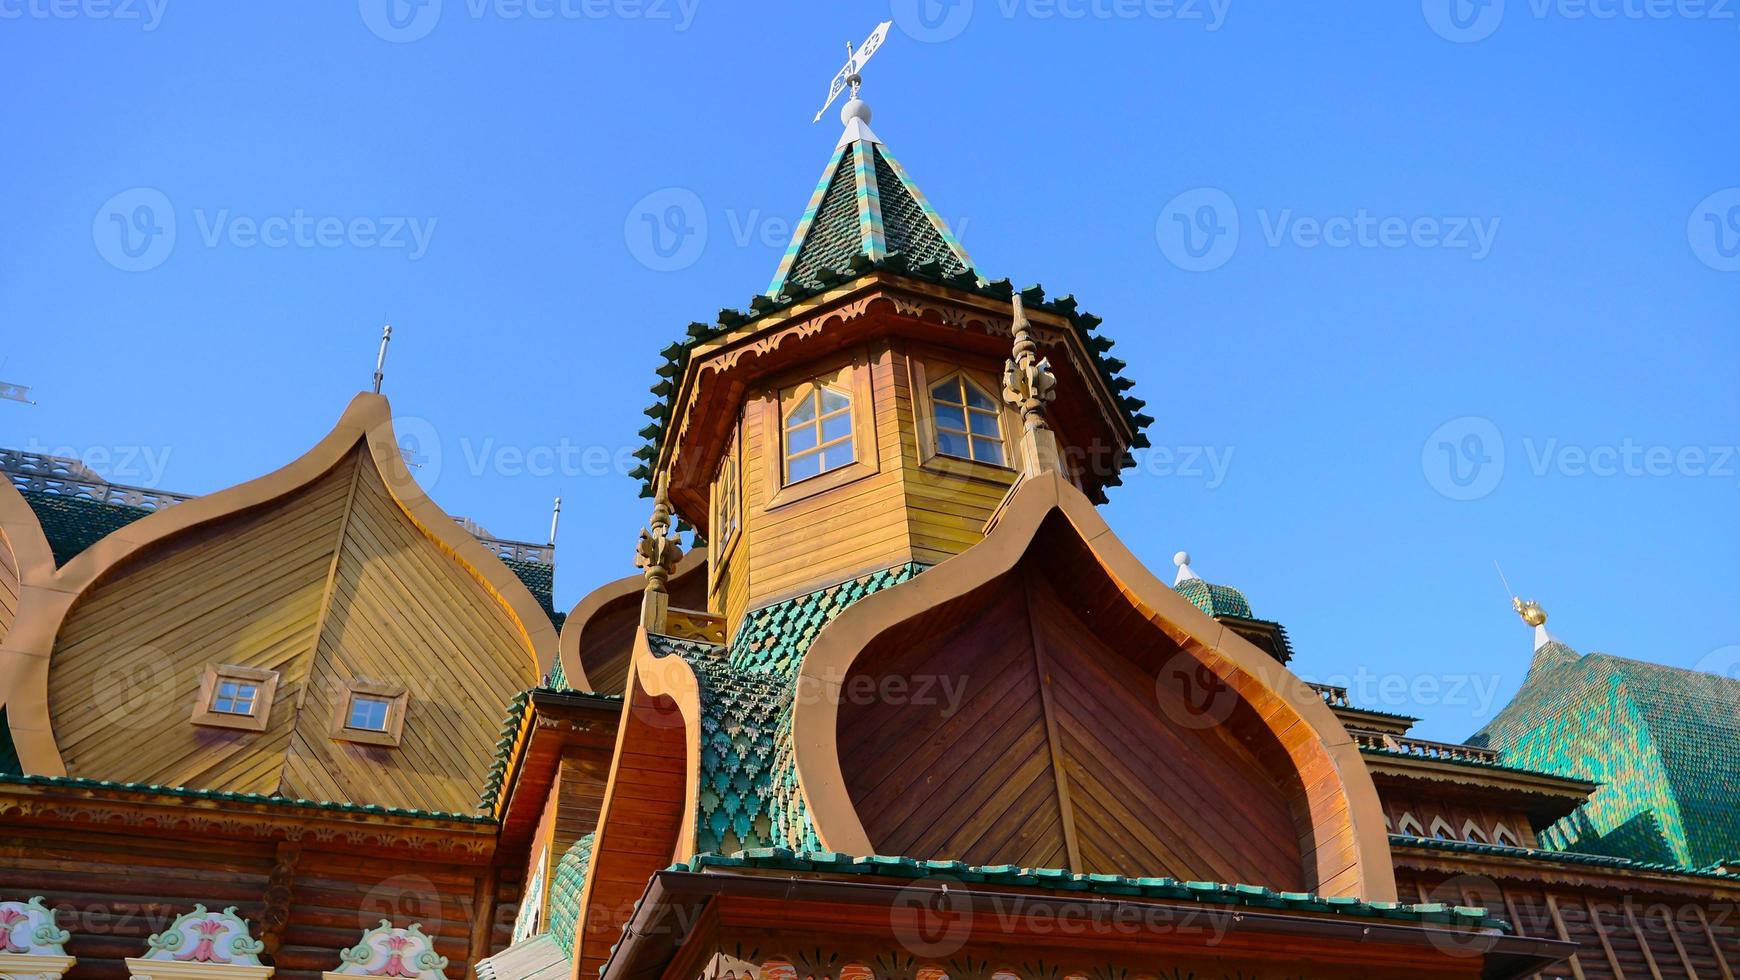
(32, 945)
(388, 952)
(202, 945)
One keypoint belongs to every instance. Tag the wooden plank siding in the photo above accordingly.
(1042, 690)
(330, 584)
(8, 585)
(113, 891)
(1631, 934)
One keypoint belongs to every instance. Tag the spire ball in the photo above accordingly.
(1181, 559)
(1530, 611)
(855, 108)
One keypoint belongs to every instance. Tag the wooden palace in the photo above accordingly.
(913, 710)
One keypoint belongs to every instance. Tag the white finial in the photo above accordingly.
(381, 358)
(1182, 560)
(855, 108)
(555, 516)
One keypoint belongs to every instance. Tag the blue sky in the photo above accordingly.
(1479, 303)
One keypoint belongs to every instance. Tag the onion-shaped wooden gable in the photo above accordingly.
(1043, 700)
(333, 573)
(598, 635)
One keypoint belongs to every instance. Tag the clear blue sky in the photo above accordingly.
(1532, 259)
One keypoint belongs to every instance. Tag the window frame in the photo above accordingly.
(720, 549)
(851, 373)
(397, 698)
(927, 372)
(265, 683)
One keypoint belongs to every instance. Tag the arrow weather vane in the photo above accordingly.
(855, 61)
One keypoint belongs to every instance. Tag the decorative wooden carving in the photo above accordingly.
(32, 946)
(385, 951)
(1029, 386)
(657, 556)
(202, 945)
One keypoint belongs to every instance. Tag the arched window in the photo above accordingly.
(1502, 835)
(969, 423)
(1410, 827)
(1473, 834)
(1442, 830)
(817, 428)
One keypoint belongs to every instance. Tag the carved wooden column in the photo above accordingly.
(1029, 386)
(657, 554)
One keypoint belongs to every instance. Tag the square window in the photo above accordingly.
(235, 697)
(368, 714)
(371, 713)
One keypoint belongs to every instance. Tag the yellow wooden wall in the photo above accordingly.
(904, 511)
(253, 590)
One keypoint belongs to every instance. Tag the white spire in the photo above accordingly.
(1182, 560)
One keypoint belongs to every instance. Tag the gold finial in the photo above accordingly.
(657, 555)
(1530, 611)
(1029, 386)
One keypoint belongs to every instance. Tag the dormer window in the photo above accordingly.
(371, 713)
(968, 421)
(817, 424)
(235, 697)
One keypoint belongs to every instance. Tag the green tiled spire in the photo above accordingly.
(1216, 600)
(865, 205)
(1661, 740)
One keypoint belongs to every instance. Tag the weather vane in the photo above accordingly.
(855, 61)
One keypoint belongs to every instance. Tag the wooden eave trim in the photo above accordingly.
(1538, 784)
(142, 813)
(796, 903)
(1543, 869)
(524, 786)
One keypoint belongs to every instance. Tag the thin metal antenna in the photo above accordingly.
(555, 517)
(381, 358)
(1508, 591)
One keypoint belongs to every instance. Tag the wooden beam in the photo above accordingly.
(1042, 665)
(1715, 947)
(1564, 934)
(1601, 934)
(1679, 947)
(1642, 940)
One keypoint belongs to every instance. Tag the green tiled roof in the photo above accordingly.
(1216, 600)
(565, 890)
(72, 524)
(749, 795)
(9, 764)
(1662, 741)
(185, 792)
(539, 580)
(1250, 896)
(865, 206)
